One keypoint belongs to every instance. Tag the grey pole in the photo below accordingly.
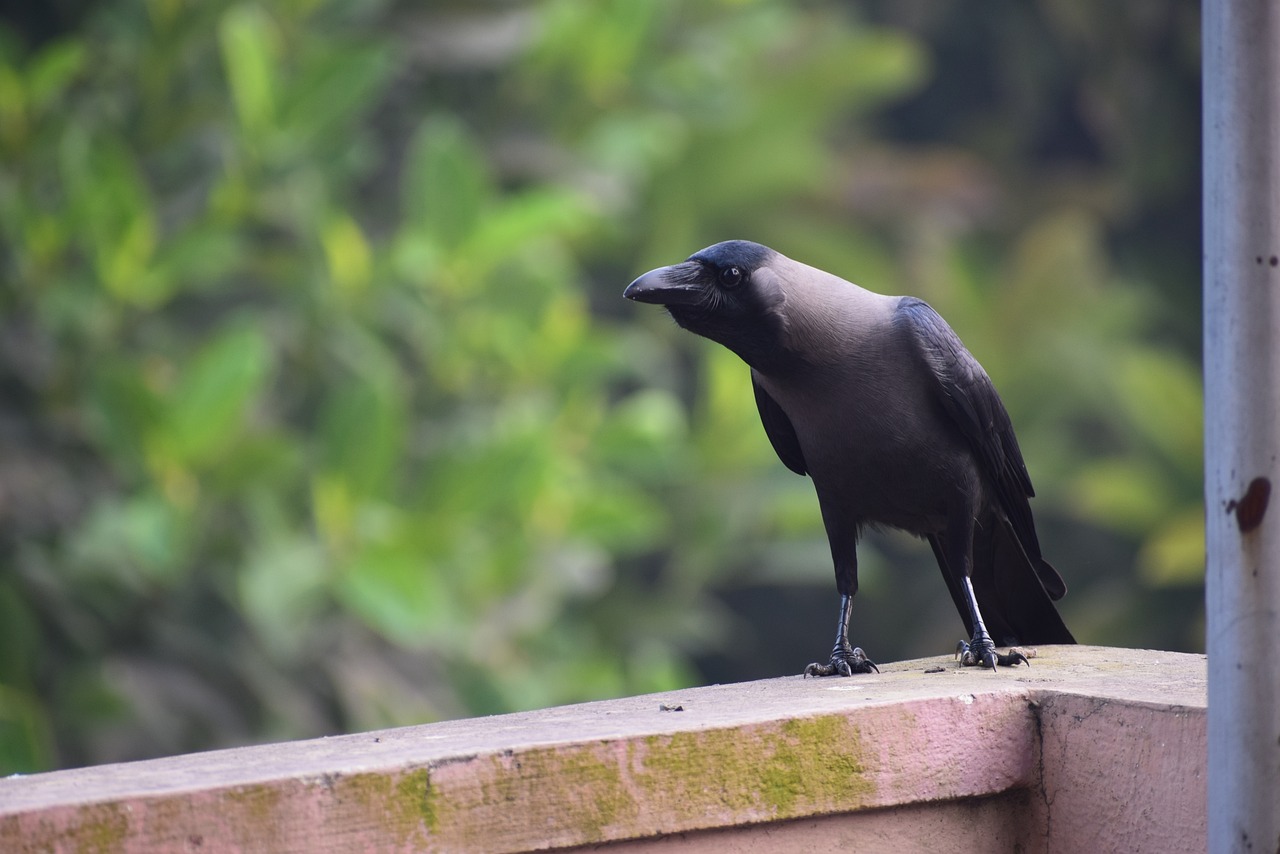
(1242, 419)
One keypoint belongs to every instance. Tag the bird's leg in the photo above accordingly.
(980, 651)
(846, 659)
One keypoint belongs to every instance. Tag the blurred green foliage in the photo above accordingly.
(321, 411)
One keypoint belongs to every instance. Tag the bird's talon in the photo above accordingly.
(844, 662)
(1014, 658)
(981, 652)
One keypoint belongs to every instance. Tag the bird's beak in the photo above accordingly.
(674, 285)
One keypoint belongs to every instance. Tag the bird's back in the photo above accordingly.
(875, 438)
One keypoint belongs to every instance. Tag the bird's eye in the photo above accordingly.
(731, 277)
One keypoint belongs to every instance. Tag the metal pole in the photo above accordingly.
(1242, 419)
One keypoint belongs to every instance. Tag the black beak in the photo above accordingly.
(675, 285)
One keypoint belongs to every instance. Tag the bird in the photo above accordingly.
(878, 401)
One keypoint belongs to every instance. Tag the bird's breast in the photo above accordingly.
(877, 445)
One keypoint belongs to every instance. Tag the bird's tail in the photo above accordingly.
(1020, 588)
(1015, 590)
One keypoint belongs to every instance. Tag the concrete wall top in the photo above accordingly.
(1067, 739)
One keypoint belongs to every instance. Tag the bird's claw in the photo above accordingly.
(981, 652)
(844, 662)
(1015, 657)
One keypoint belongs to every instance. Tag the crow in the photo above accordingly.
(877, 400)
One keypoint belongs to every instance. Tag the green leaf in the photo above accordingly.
(644, 435)
(123, 261)
(519, 220)
(20, 628)
(335, 87)
(53, 70)
(284, 583)
(26, 741)
(121, 407)
(246, 37)
(728, 430)
(348, 256)
(199, 256)
(139, 539)
(447, 183)
(13, 108)
(361, 431)
(110, 208)
(403, 596)
(1175, 555)
(1160, 394)
(206, 409)
(620, 519)
(1125, 493)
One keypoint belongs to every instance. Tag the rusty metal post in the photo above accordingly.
(1242, 419)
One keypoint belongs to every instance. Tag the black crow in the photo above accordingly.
(877, 400)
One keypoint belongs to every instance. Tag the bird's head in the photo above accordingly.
(730, 292)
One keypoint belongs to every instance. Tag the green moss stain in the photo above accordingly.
(800, 767)
(96, 829)
(578, 794)
(402, 805)
(102, 828)
(416, 787)
(560, 796)
(579, 787)
(816, 762)
(257, 805)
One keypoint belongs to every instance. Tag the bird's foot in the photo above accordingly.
(981, 652)
(844, 662)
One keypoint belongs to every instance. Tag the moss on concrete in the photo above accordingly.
(805, 765)
(806, 759)
(96, 829)
(592, 793)
(402, 805)
(101, 829)
(571, 794)
(566, 794)
(415, 787)
(580, 787)
(258, 805)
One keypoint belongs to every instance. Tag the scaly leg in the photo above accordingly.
(846, 659)
(980, 651)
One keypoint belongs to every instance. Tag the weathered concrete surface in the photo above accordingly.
(1001, 823)
(1121, 768)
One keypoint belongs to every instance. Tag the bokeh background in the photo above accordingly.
(320, 410)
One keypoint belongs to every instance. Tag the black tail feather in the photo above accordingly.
(1016, 603)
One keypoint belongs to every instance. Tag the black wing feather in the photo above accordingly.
(778, 427)
(970, 398)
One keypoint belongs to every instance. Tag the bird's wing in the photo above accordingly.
(970, 399)
(778, 427)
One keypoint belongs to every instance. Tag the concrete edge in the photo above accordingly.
(740, 756)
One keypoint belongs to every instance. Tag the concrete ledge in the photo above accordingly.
(1091, 749)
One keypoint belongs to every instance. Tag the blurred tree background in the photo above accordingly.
(320, 410)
